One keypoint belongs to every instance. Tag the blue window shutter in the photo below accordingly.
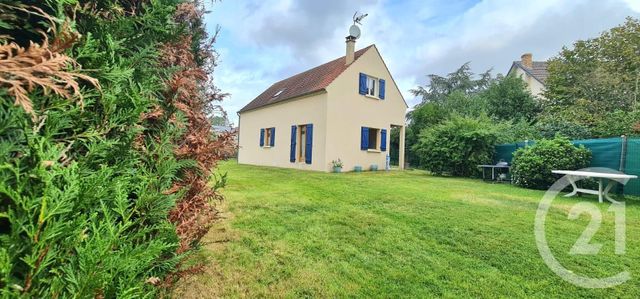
(261, 137)
(381, 96)
(292, 154)
(272, 142)
(363, 84)
(383, 140)
(364, 138)
(309, 145)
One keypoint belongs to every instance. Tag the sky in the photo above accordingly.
(264, 41)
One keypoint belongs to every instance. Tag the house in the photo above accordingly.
(534, 73)
(343, 109)
(224, 129)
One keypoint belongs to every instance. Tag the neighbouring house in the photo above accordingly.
(224, 129)
(343, 109)
(534, 73)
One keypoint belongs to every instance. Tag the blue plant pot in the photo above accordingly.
(357, 168)
(374, 167)
(337, 169)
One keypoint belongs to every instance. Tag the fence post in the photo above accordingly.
(623, 159)
(623, 153)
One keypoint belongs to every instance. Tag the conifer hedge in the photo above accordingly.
(105, 147)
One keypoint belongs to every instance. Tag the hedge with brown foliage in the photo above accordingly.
(106, 151)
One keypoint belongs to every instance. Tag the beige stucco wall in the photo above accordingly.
(337, 116)
(535, 87)
(282, 116)
(348, 111)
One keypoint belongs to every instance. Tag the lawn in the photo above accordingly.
(288, 233)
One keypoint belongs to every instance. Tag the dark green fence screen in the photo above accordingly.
(606, 152)
(632, 166)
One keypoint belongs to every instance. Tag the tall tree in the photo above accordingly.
(456, 93)
(461, 80)
(604, 71)
(509, 99)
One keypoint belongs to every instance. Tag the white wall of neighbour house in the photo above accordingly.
(306, 110)
(348, 111)
(535, 87)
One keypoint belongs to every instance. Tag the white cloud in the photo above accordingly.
(633, 4)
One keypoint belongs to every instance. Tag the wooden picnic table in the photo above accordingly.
(601, 176)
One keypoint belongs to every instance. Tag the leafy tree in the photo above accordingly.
(509, 99)
(457, 93)
(604, 71)
(551, 127)
(422, 116)
(218, 121)
(462, 80)
(517, 131)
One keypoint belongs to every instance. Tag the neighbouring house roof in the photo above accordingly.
(223, 129)
(310, 81)
(538, 71)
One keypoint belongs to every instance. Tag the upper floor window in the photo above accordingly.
(371, 86)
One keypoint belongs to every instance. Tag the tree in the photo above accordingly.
(461, 80)
(605, 71)
(509, 99)
(457, 93)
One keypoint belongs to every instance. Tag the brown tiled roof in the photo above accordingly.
(307, 82)
(539, 70)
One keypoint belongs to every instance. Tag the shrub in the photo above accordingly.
(106, 156)
(532, 165)
(457, 146)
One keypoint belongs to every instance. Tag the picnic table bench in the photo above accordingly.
(601, 176)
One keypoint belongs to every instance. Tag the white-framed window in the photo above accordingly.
(372, 84)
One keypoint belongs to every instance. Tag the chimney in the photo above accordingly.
(351, 45)
(527, 60)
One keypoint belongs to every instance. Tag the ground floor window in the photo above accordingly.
(373, 139)
(301, 143)
(267, 137)
(302, 137)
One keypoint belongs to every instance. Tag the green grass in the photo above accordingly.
(289, 233)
